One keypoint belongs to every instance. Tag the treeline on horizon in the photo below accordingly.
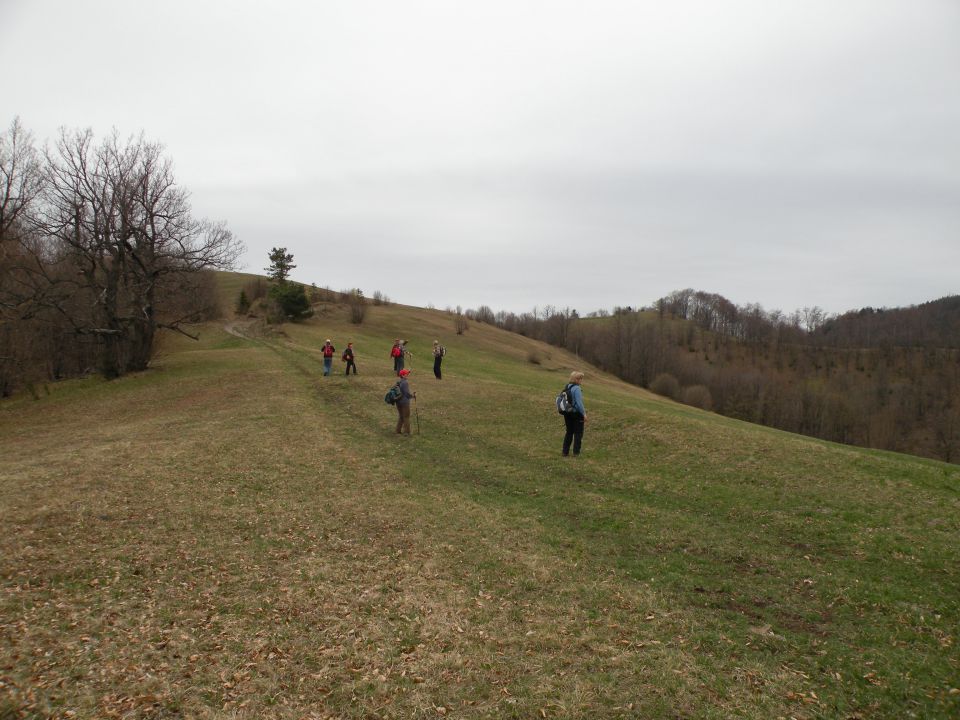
(881, 378)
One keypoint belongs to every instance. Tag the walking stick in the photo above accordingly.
(416, 410)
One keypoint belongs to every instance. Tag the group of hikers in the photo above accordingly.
(348, 357)
(574, 414)
(398, 353)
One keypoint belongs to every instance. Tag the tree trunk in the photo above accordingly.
(110, 356)
(140, 345)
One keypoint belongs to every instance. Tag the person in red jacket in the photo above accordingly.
(396, 352)
(328, 352)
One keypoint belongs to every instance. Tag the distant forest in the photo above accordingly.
(878, 378)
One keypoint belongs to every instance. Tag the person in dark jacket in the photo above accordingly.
(328, 352)
(349, 358)
(438, 353)
(576, 420)
(403, 404)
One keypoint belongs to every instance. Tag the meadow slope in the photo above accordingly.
(232, 535)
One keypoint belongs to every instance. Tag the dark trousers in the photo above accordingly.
(436, 365)
(398, 364)
(574, 422)
(351, 364)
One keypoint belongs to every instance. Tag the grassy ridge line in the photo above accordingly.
(435, 558)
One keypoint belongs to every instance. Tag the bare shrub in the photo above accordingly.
(255, 289)
(698, 396)
(273, 311)
(357, 304)
(460, 322)
(534, 357)
(667, 385)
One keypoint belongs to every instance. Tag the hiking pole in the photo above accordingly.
(416, 410)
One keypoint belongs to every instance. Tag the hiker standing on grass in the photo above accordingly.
(396, 352)
(328, 351)
(348, 358)
(576, 420)
(438, 352)
(403, 404)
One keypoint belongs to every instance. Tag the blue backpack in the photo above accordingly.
(393, 395)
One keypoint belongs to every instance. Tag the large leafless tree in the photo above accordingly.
(105, 236)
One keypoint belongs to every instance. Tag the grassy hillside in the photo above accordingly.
(232, 535)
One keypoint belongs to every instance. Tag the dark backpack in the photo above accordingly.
(565, 401)
(393, 395)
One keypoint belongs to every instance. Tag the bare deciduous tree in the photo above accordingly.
(110, 237)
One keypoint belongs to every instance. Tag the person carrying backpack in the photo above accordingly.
(328, 352)
(396, 352)
(348, 358)
(576, 419)
(403, 404)
(438, 353)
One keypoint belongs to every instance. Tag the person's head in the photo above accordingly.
(436, 342)
(576, 377)
(349, 344)
(327, 341)
(404, 373)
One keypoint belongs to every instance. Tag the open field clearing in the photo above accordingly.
(232, 535)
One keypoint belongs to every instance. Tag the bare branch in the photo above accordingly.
(180, 330)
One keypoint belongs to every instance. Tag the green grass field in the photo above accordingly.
(232, 535)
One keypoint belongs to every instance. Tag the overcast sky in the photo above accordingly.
(518, 153)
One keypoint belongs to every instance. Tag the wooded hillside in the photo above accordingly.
(886, 379)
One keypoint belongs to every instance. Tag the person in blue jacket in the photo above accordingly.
(576, 420)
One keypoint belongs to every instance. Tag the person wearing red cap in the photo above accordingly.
(403, 404)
